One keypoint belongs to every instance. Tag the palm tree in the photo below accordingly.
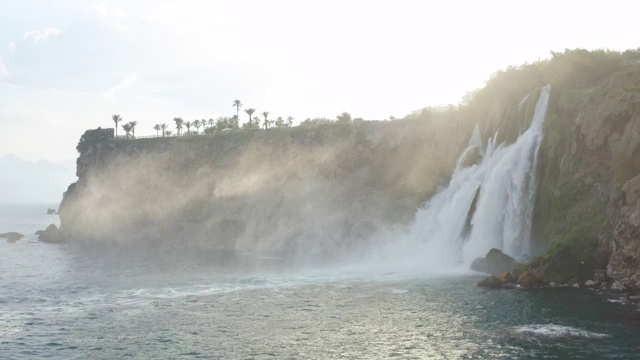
(188, 125)
(179, 123)
(211, 122)
(250, 111)
(116, 119)
(156, 127)
(127, 128)
(133, 128)
(279, 122)
(289, 121)
(196, 123)
(266, 122)
(163, 126)
(237, 104)
(168, 132)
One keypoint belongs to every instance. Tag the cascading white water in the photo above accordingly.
(506, 181)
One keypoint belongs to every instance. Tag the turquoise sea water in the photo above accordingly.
(57, 302)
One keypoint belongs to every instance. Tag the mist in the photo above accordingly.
(301, 195)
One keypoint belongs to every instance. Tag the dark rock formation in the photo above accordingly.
(558, 267)
(624, 260)
(51, 211)
(495, 262)
(491, 282)
(11, 236)
(51, 235)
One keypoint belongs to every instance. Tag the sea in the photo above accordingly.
(57, 302)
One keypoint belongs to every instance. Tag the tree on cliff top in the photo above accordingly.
(250, 112)
(237, 104)
(188, 125)
(156, 127)
(133, 125)
(163, 126)
(179, 123)
(266, 121)
(116, 119)
(344, 117)
(127, 129)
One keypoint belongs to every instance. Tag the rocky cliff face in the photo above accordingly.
(304, 193)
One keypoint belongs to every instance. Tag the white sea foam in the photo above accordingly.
(10, 323)
(554, 331)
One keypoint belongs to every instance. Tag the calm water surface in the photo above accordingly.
(58, 303)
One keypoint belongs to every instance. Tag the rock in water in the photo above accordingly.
(494, 263)
(11, 236)
(491, 282)
(50, 235)
(51, 211)
(528, 281)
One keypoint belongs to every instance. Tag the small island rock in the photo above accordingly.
(50, 235)
(12, 236)
(494, 263)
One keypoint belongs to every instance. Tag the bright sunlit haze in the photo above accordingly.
(67, 66)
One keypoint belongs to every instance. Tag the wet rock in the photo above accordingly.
(600, 275)
(50, 235)
(528, 280)
(11, 236)
(560, 267)
(576, 285)
(553, 284)
(506, 278)
(51, 211)
(494, 263)
(491, 282)
(590, 283)
(618, 286)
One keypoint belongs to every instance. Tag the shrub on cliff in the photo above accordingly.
(91, 137)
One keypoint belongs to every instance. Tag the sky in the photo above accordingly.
(68, 65)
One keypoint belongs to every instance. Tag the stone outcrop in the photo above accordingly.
(495, 262)
(50, 235)
(624, 218)
(11, 236)
(558, 267)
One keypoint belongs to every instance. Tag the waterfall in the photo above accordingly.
(502, 185)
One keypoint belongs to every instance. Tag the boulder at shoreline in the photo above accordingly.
(50, 235)
(494, 263)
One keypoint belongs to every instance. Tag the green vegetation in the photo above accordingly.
(92, 137)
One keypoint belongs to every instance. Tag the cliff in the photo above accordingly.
(304, 192)
(329, 191)
(587, 207)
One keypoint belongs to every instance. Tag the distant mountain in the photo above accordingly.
(24, 181)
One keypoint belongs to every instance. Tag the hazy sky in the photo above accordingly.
(68, 65)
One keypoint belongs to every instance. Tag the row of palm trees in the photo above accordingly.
(129, 128)
(279, 122)
(213, 125)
